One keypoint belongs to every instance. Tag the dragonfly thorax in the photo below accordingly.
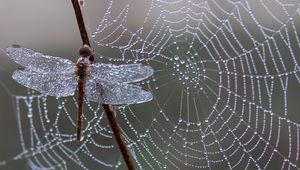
(83, 60)
(82, 67)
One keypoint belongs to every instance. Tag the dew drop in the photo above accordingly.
(82, 2)
(176, 57)
(29, 115)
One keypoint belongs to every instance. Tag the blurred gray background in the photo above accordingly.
(49, 27)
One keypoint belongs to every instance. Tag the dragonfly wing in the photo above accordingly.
(116, 93)
(39, 62)
(120, 73)
(52, 84)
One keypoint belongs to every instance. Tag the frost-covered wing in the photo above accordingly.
(116, 93)
(52, 84)
(39, 62)
(120, 73)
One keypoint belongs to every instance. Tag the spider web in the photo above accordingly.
(225, 89)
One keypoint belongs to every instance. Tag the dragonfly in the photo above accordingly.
(98, 82)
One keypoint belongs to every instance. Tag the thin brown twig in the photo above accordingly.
(114, 125)
(109, 112)
(81, 25)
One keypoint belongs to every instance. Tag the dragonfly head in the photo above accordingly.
(85, 51)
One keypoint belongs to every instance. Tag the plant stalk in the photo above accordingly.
(109, 112)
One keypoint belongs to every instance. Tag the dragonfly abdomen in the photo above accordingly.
(82, 72)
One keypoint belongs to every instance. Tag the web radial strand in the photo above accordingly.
(225, 81)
